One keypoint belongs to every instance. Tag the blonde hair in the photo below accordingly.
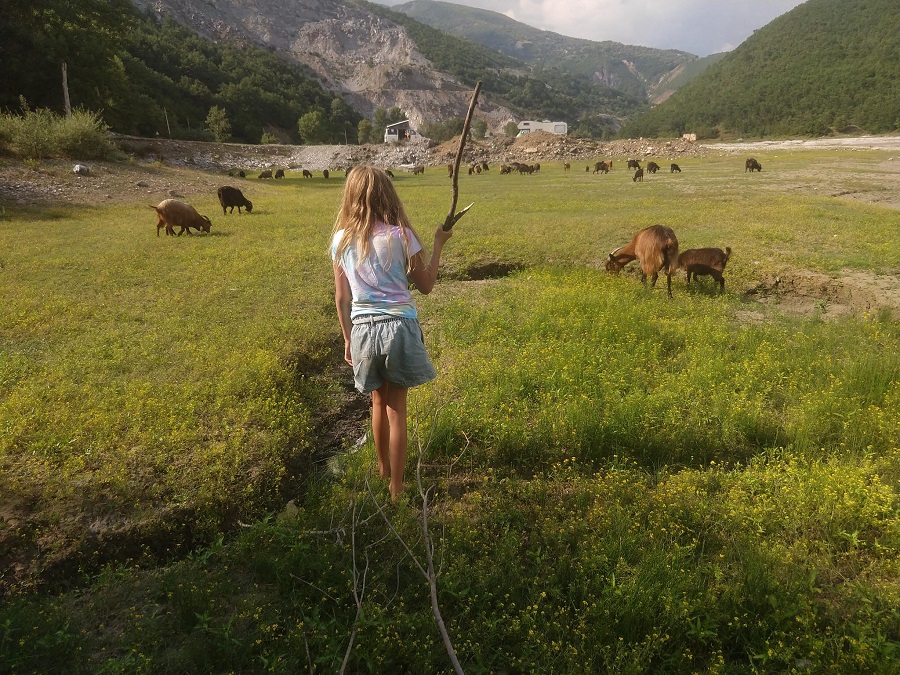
(369, 197)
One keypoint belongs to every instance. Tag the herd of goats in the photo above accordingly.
(655, 247)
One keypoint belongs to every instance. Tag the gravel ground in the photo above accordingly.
(856, 143)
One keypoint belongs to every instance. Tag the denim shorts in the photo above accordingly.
(388, 349)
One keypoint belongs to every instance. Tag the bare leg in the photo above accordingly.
(381, 430)
(389, 408)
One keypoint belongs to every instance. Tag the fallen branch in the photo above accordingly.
(452, 215)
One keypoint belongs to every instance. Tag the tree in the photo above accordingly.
(218, 124)
(395, 115)
(40, 36)
(364, 132)
(479, 128)
(511, 129)
(313, 127)
(379, 122)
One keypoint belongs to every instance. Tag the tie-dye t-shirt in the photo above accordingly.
(379, 283)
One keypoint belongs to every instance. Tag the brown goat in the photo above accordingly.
(172, 213)
(601, 167)
(657, 249)
(265, 174)
(705, 261)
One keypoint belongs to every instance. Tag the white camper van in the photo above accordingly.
(527, 126)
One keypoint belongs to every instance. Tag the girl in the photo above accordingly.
(375, 254)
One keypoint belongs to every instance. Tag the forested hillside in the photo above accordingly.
(148, 78)
(632, 70)
(826, 66)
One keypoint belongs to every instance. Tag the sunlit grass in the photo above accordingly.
(644, 484)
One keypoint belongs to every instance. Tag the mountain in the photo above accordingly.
(640, 72)
(376, 58)
(826, 66)
(371, 62)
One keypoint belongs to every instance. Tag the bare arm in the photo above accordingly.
(423, 271)
(343, 297)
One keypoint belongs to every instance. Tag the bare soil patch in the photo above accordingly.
(810, 293)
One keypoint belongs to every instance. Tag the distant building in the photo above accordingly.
(400, 131)
(689, 137)
(527, 126)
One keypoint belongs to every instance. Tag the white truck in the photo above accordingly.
(527, 126)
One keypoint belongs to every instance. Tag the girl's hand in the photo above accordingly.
(441, 236)
(347, 353)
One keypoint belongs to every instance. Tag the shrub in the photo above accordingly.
(41, 133)
(83, 135)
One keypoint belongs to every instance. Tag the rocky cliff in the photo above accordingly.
(370, 61)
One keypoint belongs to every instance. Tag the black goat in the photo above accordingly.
(231, 197)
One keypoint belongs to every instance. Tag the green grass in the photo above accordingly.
(640, 484)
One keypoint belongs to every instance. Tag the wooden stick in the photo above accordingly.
(448, 221)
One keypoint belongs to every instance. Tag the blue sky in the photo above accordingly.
(700, 27)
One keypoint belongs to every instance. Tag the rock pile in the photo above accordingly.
(537, 146)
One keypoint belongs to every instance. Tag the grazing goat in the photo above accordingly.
(307, 173)
(601, 167)
(231, 197)
(265, 174)
(173, 213)
(657, 249)
(242, 173)
(566, 166)
(705, 261)
(674, 168)
(389, 172)
(638, 176)
(325, 173)
(752, 165)
(81, 170)
(652, 167)
(418, 169)
(633, 164)
(279, 173)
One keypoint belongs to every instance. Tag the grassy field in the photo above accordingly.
(618, 482)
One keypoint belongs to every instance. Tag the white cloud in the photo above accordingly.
(697, 26)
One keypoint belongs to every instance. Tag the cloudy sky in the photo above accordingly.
(700, 27)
